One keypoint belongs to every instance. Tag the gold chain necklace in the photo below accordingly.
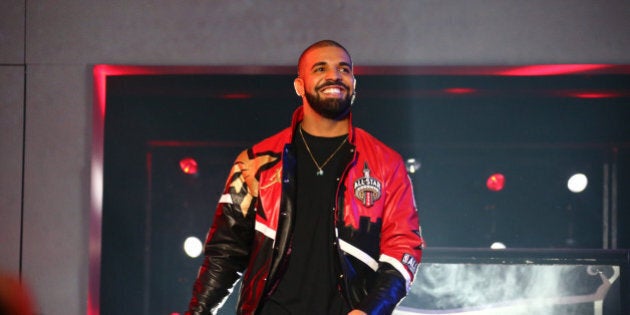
(320, 171)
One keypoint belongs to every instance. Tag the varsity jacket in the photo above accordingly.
(378, 238)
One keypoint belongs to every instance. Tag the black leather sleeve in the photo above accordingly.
(387, 291)
(226, 256)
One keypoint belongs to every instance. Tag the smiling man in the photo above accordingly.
(326, 80)
(319, 218)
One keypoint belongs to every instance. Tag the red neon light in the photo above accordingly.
(188, 166)
(544, 70)
(459, 90)
(496, 182)
(594, 95)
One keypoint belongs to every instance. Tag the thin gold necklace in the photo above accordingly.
(320, 171)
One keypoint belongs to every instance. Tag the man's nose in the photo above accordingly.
(333, 74)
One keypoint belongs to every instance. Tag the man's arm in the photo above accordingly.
(226, 256)
(401, 246)
(227, 246)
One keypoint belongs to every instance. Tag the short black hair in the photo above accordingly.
(320, 44)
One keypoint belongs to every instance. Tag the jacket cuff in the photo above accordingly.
(388, 290)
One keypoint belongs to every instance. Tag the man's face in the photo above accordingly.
(327, 82)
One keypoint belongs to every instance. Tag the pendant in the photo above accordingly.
(320, 172)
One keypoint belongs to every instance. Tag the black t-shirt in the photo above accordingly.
(309, 285)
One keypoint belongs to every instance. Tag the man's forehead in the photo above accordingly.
(325, 55)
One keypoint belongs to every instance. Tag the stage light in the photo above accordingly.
(594, 94)
(193, 247)
(460, 90)
(188, 166)
(412, 165)
(495, 182)
(497, 245)
(577, 183)
(551, 69)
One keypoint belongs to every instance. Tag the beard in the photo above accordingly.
(336, 109)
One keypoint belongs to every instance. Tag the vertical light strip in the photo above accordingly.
(605, 208)
(613, 201)
(96, 190)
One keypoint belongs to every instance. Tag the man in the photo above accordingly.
(320, 217)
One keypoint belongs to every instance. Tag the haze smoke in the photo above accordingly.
(505, 289)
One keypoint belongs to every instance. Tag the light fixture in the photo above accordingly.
(460, 90)
(495, 182)
(412, 165)
(188, 165)
(497, 245)
(577, 183)
(193, 247)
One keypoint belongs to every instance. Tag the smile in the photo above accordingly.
(332, 91)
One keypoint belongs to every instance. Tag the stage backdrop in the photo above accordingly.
(489, 152)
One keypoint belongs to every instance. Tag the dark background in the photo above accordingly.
(529, 128)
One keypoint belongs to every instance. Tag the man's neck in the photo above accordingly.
(319, 126)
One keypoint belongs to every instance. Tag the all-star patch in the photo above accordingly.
(410, 262)
(367, 189)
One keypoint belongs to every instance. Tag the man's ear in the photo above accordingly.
(298, 85)
(354, 94)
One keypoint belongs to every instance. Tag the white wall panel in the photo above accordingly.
(376, 32)
(56, 186)
(11, 129)
(12, 31)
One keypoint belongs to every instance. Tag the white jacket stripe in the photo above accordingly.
(267, 231)
(358, 254)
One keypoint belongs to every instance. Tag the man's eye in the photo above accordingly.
(319, 69)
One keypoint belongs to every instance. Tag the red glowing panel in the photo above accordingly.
(541, 70)
(188, 166)
(595, 95)
(459, 90)
(495, 182)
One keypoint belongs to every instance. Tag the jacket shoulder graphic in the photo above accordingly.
(245, 177)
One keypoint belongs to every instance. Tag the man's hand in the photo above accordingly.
(357, 312)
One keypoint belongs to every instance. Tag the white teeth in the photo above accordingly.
(332, 91)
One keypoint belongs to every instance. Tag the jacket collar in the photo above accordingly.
(298, 116)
